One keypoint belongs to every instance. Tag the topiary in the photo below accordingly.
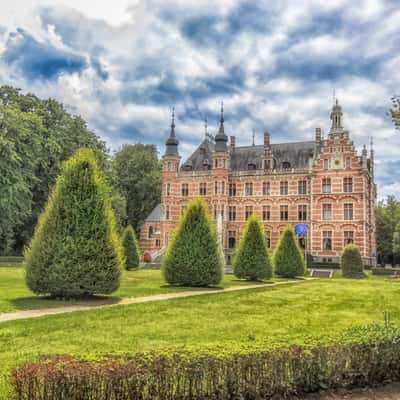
(351, 262)
(288, 256)
(251, 259)
(131, 248)
(75, 250)
(194, 255)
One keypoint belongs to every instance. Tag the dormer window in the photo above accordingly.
(206, 164)
(286, 165)
(251, 166)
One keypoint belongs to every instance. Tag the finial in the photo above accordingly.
(222, 112)
(253, 137)
(173, 118)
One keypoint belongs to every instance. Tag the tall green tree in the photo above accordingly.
(136, 174)
(251, 259)
(76, 250)
(36, 136)
(194, 255)
(131, 248)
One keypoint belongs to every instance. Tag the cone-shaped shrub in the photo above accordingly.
(131, 248)
(351, 262)
(194, 255)
(76, 250)
(288, 256)
(251, 260)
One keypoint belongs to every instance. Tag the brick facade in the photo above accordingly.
(324, 184)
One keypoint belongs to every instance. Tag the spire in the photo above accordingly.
(336, 117)
(364, 151)
(221, 139)
(205, 127)
(253, 144)
(172, 142)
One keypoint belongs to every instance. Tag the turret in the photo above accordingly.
(336, 117)
(221, 140)
(171, 145)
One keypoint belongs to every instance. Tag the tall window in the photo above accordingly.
(284, 211)
(266, 188)
(284, 188)
(348, 162)
(327, 240)
(249, 189)
(347, 185)
(266, 213)
(203, 189)
(268, 238)
(167, 213)
(302, 212)
(150, 232)
(222, 187)
(326, 163)
(326, 185)
(215, 187)
(168, 189)
(231, 239)
(327, 211)
(348, 237)
(222, 211)
(302, 187)
(249, 211)
(232, 213)
(348, 211)
(232, 189)
(185, 189)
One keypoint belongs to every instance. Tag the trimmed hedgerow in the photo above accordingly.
(251, 259)
(366, 356)
(76, 250)
(131, 248)
(351, 262)
(288, 256)
(194, 255)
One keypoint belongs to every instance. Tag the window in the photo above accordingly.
(232, 213)
(232, 189)
(249, 211)
(215, 212)
(203, 189)
(215, 187)
(284, 188)
(231, 239)
(303, 187)
(222, 187)
(302, 242)
(222, 211)
(223, 163)
(266, 188)
(326, 163)
(249, 189)
(326, 185)
(348, 211)
(150, 232)
(348, 237)
(216, 163)
(327, 240)
(348, 162)
(284, 211)
(267, 164)
(327, 211)
(347, 185)
(169, 165)
(268, 239)
(168, 189)
(167, 213)
(302, 212)
(185, 189)
(266, 213)
(158, 243)
(286, 165)
(251, 166)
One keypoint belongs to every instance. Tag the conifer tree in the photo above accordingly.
(288, 257)
(194, 255)
(76, 250)
(131, 248)
(251, 260)
(351, 262)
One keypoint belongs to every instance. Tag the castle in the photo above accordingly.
(323, 184)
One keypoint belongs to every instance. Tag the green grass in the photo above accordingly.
(14, 295)
(276, 315)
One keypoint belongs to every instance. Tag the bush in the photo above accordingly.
(194, 256)
(251, 259)
(385, 271)
(370, 357)
(75, 250)
(351, 262)
(131, 248)
(288, 256)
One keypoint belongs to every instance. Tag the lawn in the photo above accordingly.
(275, 315)
(14, 295)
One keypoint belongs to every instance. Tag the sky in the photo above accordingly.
(123, 65)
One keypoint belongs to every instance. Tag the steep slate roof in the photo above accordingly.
(155, 215)
(297, 154)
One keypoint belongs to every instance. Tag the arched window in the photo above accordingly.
(286, 165)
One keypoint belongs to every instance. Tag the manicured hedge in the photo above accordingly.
(367, 357)
(385, 271)
(11, 259)
(351, 262)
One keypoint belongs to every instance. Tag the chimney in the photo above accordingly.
(233, 142)
(318, 135)
(266, 139)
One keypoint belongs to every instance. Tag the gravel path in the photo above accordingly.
(26, 314)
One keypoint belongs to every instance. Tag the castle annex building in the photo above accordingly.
(323, 183)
